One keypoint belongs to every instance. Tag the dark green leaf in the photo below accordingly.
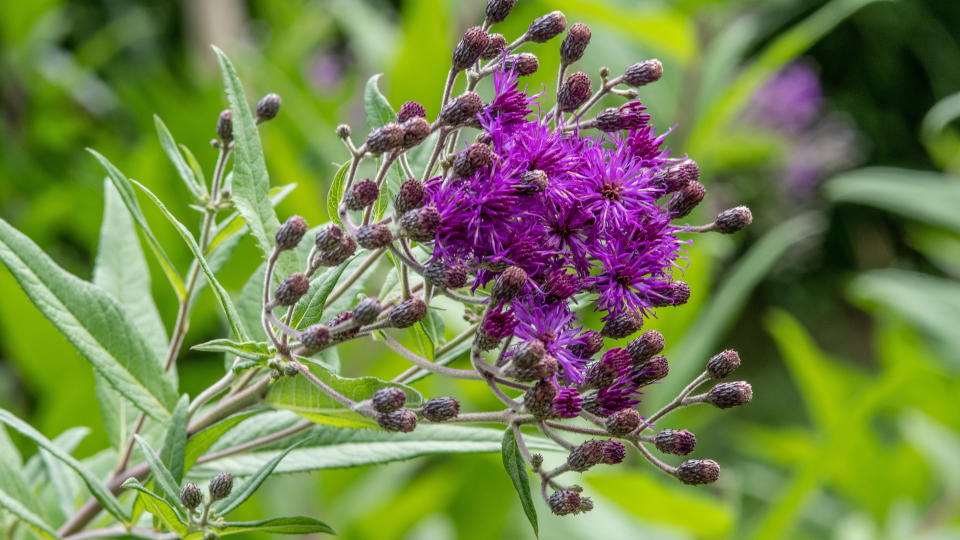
(310, 310)
(517, 470)
(161, 475)
(378, 109)
(173, 152)
(200, 442)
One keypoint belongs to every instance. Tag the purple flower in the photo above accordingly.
(509, 106)
(499, 323)
(644, 146)
(568, 403)
(790, 102)
(615, 189)
(552, 324)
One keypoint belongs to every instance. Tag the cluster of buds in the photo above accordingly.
(198, 507)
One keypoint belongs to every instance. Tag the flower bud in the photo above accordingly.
(565, 502)
(474, 158)
(460, 110)
(604, 372)
(509, 283)
(411, 109)
(421, 224)
(586, 455)
(328, 237)
(531, 182)
(685, 200)
(522, 64)
(623, 422)
(545, 28)
(723, 364)
(622, 325)
(495, 48)
(291, 289)
(342, 319)
(561, 285)
(316, 336)
(290, 233)
(648, 344)
(388, 399)
(366, 311)
(220, 486)
(225, 126)
(407, 313)
(415, 131)
(497, 10)
(732, 220)
(496, 325)
(384, 139)
(441, 409)
(440, 274)
(574, 92)
(568, 403)
(613, 452)
(361, 195)
(343, 131)
(409, 197)
(544, 368)
(528, 353)
(576, 41)
(336, 256)
(268, 107)
(468, 51)
(536, 461)
(643, 73)
(374, 236)
(539, 399)
(586, 504)
(591, 345)
(680, 174)
(190, 496)
(402, 420)
(730, 394)
(673, 441)
(698, 471)
(608, 120)
(652, 370)
(679, 293)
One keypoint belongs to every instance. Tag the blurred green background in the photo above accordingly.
(842, 298)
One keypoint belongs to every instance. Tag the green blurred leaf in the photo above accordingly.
(183, 169)
(378, 109)
(201, 441)
(282, 525)
(96, 487)
(336, 193)
(243, 492)
(92, 321)
(517, 470)
(35, 523)
(253, 350)
(157, 506)
(172, 453)
(161, 475)
(938, 444)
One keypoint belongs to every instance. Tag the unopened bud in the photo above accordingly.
(409, 197)
(420, 224)
(673, 441)
(586, 455)
(648, 344)
(528, 353)
(328, 237)
(441, 409)
(576, 41)
(652, 370)
(561, 285)
(191, 496)
(411, 109)
(545, 28)
(622, 325)
(574, 92)
(361, 195)
(544, 368)
(220, 486)
(522, 64)
(535, 181)
(468, 51)
(608, 120)
(723, 364)
(565, 502)
(385, 138)
(495, 48)
(374, 236)
(497, 10)
(539, 399)
(536, 461)
(592, 343)
(680, 174)
(460, 110)
(730, 394)
(732, 220)
(339, 254)
(366, 310)
(388, 399)
(643, 73)
(407, 313)
(290, 233)
(613, 452)
(268, 107)
(604, 372)
(678, 292)
(698, 471)
(415, 131)
(586, 504)
(509, 283)
(623, 422)
(291, 289)
(225, 126)
(402, 420)
(343, 131)
(474, 158)
(685, 200)
(316, 336)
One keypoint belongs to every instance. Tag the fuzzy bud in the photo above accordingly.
(643, 73)
(268, 107)
(290, 233)
(685, 200)
(730, 394)
(652, 370)
(374, 236)
(336, 256)
(561, 285)
(441, 409)
(328, 237)
(544, 368)
(565, 502)
(411, 109)
(578, 37)
(421, 224)
(539, 399)
(522, 64)
(509, 283)
(415, 131)
(316, 336)
(343, 131)
(497, 10)
(291, 289)
(602, 373)
(574, 92)
(723, 364)
(220, 486)
(648, 344)
(460, 110)
(591, 345)
(361, 195)
(732, 220)
(623, 422)
(622, 325)
(673, 441)
(225, 126)
(536, 461)
(680, 174)
(468, 51)
(608, 120)
(495, 48)
(528, 353)
(535, 181)
(679, 293)
(366, 311)
(586, 455)
(545, 28)
(402, 420)
(698, 471)
(191, 496)
(474, 158)
(407, 313)
(388, 399)
(409, 197)
(384, 139)
(613, 452)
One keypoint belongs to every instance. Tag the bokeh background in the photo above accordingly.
(836, 122)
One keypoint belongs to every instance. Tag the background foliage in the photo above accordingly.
(844, 304)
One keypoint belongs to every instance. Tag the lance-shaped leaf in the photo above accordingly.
(159, 507)
(172, 453)
(35, 523)
(282, 525)
(92, 321)
(173, 152)
(252, 350)
(200, 442)
(336, 193)
(517, 470)
(161, 475)
(243, 492)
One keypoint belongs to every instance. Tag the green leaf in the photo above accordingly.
(200, 442)
(336, 193)
(194, 166)
(157, 506)
(282, 525)
(299, 395)
(378, 109)
(921, 195)
(96, 487)
(173, 152)
(517, 470)
(253, 350)
(434, 329)
(130, 200)
(310, 310)
(937, 443)
(92, 321)
(235, 225)
(175, 440)
(233, 318)
(242, 493)
(35, 523)
(64, 482)
(161, 475)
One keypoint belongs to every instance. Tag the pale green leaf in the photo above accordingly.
(310, 309)
(282, 525)
(201, 441)
(35, 523)
(336, 193)
(159, 507)
(175, 440)
(378, 109)
(161, 474)
(252, 350)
